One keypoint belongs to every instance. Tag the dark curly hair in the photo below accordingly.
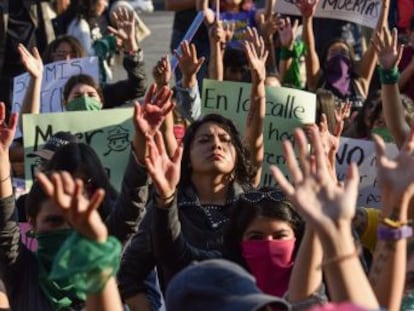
(244, 171)
(245, 212)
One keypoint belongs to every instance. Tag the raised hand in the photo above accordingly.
(164, 172)
(162, 72)
(268, 25)
(32, 62)
(388, 50)
(79, 211)
(149, 116)
(307, 7)
(317, 196)
(125, 28)
(287, 32)
(217, 34)
(396, 178)
(256, 55)
(7, 131)
(189, 63)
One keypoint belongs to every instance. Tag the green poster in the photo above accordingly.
(108, 132)
(286, 109)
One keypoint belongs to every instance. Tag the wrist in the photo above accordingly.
(164, 199)
(189, 82)
(389, 76)
(130, 46)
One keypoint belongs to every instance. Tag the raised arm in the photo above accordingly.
(387, 273)
(209, 16)
(34, 66)
(217, 37)
(313, 67)
(389, 55)
(366, 67)
(135, 84)
(188, 95)
(329, 209)
(253, 136)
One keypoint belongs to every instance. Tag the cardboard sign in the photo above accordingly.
(286, 109)
(363, 12)
(362, 152)
(55, 76)
(110, 135)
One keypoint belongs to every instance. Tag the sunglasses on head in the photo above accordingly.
(258, 196)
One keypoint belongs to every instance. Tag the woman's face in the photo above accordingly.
(63, 51)
(101, 6)
(212, 150)
(81, 89)
(265, 228)
(49, 218)
(338, 48)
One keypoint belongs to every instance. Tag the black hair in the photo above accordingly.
(81, 159)
(236, 60)
(35, 198)
(412, 23)
(244, 171)
(245, 212)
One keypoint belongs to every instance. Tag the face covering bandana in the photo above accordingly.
(337, 75)
(384, 133)
(60, 294)
(271, 263)
(84, 103)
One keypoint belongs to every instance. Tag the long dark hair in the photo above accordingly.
(74, 43)
(245, 212)
(243, 171)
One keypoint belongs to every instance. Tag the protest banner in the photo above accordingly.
(55, 76)
(362, 152)
(363, 12)
(110, 135)
(286, 109)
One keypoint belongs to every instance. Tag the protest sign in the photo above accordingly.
(55, 76)
(286, 109)
(110, 135)
(362, 152)
(363, 12)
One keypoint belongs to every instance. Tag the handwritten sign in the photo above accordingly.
(55, 76)
(110, 135)
(362, 152)
(364, 12)
(286, 109)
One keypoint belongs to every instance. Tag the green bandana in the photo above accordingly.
(292, 76)
(84, 103)
(60, 293)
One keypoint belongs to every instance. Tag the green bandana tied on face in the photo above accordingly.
(62, 293)
(72, 266)
(84, 103)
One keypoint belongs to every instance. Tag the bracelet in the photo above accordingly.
(394, 224)
(5, 179)
(390, 234)
(339, 259)
(165, 198)
(389, 76)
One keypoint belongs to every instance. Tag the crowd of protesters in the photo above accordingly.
(191, 227)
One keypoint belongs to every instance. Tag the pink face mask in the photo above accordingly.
(271, 263)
